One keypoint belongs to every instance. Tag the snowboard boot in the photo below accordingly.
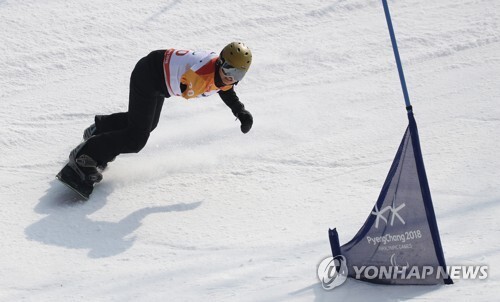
(80, 174)
(84, 166)
(88, 133)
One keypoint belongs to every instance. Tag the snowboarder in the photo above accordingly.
(159, 75)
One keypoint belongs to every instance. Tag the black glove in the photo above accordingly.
(246, 120)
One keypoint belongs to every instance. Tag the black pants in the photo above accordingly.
(128, 132)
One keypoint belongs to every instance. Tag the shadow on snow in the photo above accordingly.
(68, 225)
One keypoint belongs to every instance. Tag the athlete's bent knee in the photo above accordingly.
(137, 140)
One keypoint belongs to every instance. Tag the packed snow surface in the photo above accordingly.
(205, 213)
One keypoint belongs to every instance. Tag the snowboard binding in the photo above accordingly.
(80, 174)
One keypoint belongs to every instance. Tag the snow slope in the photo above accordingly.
(205, 213)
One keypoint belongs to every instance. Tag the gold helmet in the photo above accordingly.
(235, 59)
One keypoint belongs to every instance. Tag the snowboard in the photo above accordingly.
(69, 178)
